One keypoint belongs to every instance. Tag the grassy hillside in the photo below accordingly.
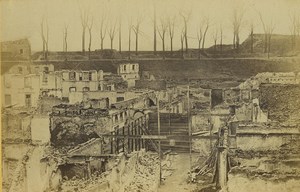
(179, 71)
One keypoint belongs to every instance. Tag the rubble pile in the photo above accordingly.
(139, 172)
(83, 185)
(146, 174)
(281, 101)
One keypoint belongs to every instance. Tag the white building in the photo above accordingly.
(73, 81)
(20, 90)
(129, 72)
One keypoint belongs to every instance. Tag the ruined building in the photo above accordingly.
(129, 72)
(18, 50)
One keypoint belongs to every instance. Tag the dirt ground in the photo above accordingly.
(179, 165)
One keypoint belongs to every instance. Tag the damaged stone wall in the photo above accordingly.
(200, 122)
(137, 172)
(46, 103)
(241, 183)
(281, 101)
(151, 84)
(16, 126)
(71, 131)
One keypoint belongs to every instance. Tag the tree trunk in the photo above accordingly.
(251, 41)
(203, 42)
(120, 42)
(186, 41)
(233, 43)
(269, 45)
(129, 45)
(171, 40)
(199, 49)
(111, 43)
(136, 43)
(182, 39)
(44, 52)
(83, 41)
(215, 48)
(154, 38)
(102, 39)
(163, 47)
(66, 44)
(221, 44)
(237, 43)
(266, 44)
(90, 44)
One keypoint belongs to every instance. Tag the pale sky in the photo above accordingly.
(22, 18)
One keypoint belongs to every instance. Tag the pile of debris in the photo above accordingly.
(146, 173)
(138, 171)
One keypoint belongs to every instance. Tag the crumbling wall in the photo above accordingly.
(241, 183)
(16, 126)
(231, 95)
(151, 84)
(137, 172)
(244, 112)
(203, 146)
(40, 129)
(46, 103)
(200, 122)
(281, 101)
(71, 131)
(140, 173)
(261, 142)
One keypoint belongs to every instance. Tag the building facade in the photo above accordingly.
(129, 72)
(16, 50)
(73, 81)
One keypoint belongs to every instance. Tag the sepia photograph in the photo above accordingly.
(150, 95)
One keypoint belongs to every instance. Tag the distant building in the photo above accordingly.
(20, 89)
(129, 72)
(16, 50)
(23, 84)
(85, 81)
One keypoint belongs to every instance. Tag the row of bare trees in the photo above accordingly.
(166, 28)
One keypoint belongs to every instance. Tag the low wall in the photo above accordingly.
(241, 183)
(260, 142)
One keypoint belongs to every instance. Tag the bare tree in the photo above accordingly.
(90, 26)
(266, 33)
(215, 38)
(206, 23)
(182, 35)
(171, 26)
(236, 23)
(294, 29)
(221, 38)
(185, 19)
(45, 37)
(103, 30)
(252, 35)
(120, 34)
(129, 37)
(268, 30)
(162, 32)
(199, 37)
(154, 30)
(112, 33)
(84, 23)
(65, 39)
(136, 30)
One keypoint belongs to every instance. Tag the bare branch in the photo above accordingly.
(162, 32)
(111, 33)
